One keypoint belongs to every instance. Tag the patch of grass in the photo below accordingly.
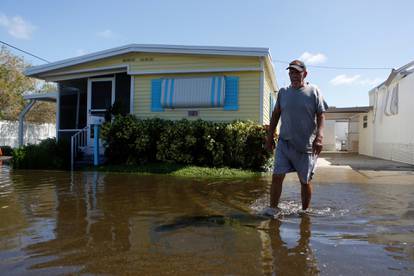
(178, 170)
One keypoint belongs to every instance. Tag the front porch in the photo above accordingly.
(80, 101)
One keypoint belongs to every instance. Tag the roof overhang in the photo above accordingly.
(345, 113)
(357, 109)
(46, 71)
(395, 74)
(149, 48)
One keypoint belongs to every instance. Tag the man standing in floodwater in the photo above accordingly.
(301, 109)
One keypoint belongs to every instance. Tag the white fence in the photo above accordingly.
(33, 133)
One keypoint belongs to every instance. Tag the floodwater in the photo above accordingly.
(54, 223)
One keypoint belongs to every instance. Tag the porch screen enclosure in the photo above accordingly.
(81, 98)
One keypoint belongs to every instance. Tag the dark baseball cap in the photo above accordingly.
(297, 65)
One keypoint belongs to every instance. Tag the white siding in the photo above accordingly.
(353, 134)
(248, 100)
(365, 135)
(393, 136)
(329, 139)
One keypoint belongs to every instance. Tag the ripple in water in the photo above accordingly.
(292, 208)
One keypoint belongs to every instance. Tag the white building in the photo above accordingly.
(387, 131)
(342, 128)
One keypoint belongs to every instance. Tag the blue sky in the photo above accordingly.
(352, 33)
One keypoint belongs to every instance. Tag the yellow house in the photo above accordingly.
(165, 81)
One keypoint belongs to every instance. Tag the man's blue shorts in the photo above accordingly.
(288, 159)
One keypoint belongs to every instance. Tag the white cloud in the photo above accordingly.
(81, 52)
(312, 59)
(17, 26)
(354, 80)
(344, 79)
(106, 34)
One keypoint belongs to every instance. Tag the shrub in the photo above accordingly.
(6, 150)
(177, 143)
(48, 154)
(239, 144)
(210, 145)
(130, 140)
(120, 136)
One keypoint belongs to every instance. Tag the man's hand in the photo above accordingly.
(317, 144)
(270, 144)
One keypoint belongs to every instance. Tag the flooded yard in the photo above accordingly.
(361, 222)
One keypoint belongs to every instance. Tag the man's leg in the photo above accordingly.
(306, 168)
(276, 189)
(306, 194)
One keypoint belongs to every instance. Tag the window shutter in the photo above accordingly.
(231, 100)
(156, 95)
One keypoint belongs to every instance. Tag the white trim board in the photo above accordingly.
(208, 70)
(126, 68)
(89, 99)
(84, 75)
(118, 66)
(131, 96)
(261, 91)
(58, 112)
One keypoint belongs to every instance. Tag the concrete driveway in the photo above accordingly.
(351, 167)
(347, 168)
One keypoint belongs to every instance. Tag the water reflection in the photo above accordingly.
(280, 258)
(103, 223)
(85, 225)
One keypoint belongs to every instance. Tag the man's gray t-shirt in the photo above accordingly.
(298, 115)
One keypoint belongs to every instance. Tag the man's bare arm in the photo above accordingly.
(317, 143)
(272, 127)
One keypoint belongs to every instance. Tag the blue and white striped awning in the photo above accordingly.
(193, 92)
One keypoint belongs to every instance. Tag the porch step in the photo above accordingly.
(88, 150)
(87, 160)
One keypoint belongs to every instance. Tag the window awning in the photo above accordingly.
(193, 92)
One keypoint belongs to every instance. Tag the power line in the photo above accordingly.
(338, 67)
(11, 46)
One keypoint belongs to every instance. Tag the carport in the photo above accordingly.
(348, 115)
(33, 98)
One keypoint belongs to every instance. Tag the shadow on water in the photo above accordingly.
(210, 221)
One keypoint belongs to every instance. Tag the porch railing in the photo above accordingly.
(79, 139)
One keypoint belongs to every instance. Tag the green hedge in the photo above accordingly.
(239, 144)
(48, 154)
